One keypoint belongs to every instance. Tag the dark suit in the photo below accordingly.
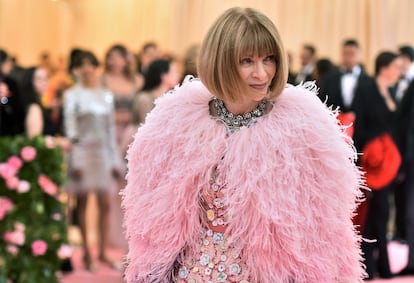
(374, 118)
(330, 89)
(12, 112)
(405, 139)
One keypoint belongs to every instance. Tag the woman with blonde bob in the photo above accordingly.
(237, 177)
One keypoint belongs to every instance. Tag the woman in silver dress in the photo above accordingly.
(94, 162)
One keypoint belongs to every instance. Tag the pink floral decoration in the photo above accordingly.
(28, 153)
(13, 250)
(57, 216)
(12, 182)
(7, 171)
(5, 206)
(64, 252)
(23, 187)
(50, 142)
(47, 185)
(14, 237)
(18, 226)
(39, 247)
(15, 162)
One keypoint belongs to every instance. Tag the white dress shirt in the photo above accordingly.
(348, 84)
(404, 82)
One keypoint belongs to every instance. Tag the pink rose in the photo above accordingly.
(14, 237)
(12, 183)
(64, 252)
(13, 250)
(5, 206)
(47, 185)
(19, 226)
(28, 153)
(15, 162)
(23, 187)
(39, 248)
(7, 171)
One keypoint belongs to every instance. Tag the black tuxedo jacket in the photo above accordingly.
(330, 89)
(405, 124)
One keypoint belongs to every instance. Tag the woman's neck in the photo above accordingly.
(240, 107)
(383, 83)
(92, 83)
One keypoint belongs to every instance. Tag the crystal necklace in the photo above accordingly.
(235, 122)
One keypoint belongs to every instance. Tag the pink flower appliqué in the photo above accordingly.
(39, 247)
(14, 237)
(47, 185)
(28, 153)
(64, 252)
(5, 206)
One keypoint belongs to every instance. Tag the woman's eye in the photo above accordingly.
(245, 61)
(270, 58)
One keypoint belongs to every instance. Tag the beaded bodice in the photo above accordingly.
(217, 261)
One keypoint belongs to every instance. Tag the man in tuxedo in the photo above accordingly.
(338, 87)
(307, 60)
(405, 196)
(400, 191)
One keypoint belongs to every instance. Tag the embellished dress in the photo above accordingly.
(217, 261)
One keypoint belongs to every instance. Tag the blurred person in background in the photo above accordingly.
(148, 54)
(12, 111)
(94, 161)
(119, 77)
(323, 67)
(190, 61)
(406, 54)
(375, 109)
(307, 61)
(162, 76)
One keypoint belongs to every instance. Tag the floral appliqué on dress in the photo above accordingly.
(217, 260)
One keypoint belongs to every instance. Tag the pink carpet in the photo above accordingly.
(105, 274)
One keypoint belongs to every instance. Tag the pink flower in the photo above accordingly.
(14, 237)
(57, 216)
(47, 185)
(64, 252)
(50, 142)
(23, 187)
(28, 153)
(39, 248)
(15, 162)
(12, 250)
(7, 171)
(12, 182)
(5, 206)
(19, 226)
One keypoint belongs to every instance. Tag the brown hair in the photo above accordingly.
(236, 33)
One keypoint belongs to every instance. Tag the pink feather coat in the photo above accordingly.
(292, 188)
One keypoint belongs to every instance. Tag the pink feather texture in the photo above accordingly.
(292, 188)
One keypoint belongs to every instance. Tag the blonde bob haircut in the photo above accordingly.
(237, 33)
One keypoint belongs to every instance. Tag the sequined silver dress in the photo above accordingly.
(89, 121)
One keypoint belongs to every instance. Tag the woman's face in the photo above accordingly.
(116, 61)
(40, 81)
(393, 71)
(87, 71)
(257, 72)
(171, 78)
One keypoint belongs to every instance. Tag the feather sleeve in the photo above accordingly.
(301, 195)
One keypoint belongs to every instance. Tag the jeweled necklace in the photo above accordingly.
(235, 122)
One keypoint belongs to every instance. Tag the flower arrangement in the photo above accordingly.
(33, 232)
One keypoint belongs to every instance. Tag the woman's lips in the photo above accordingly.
(259, 86)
